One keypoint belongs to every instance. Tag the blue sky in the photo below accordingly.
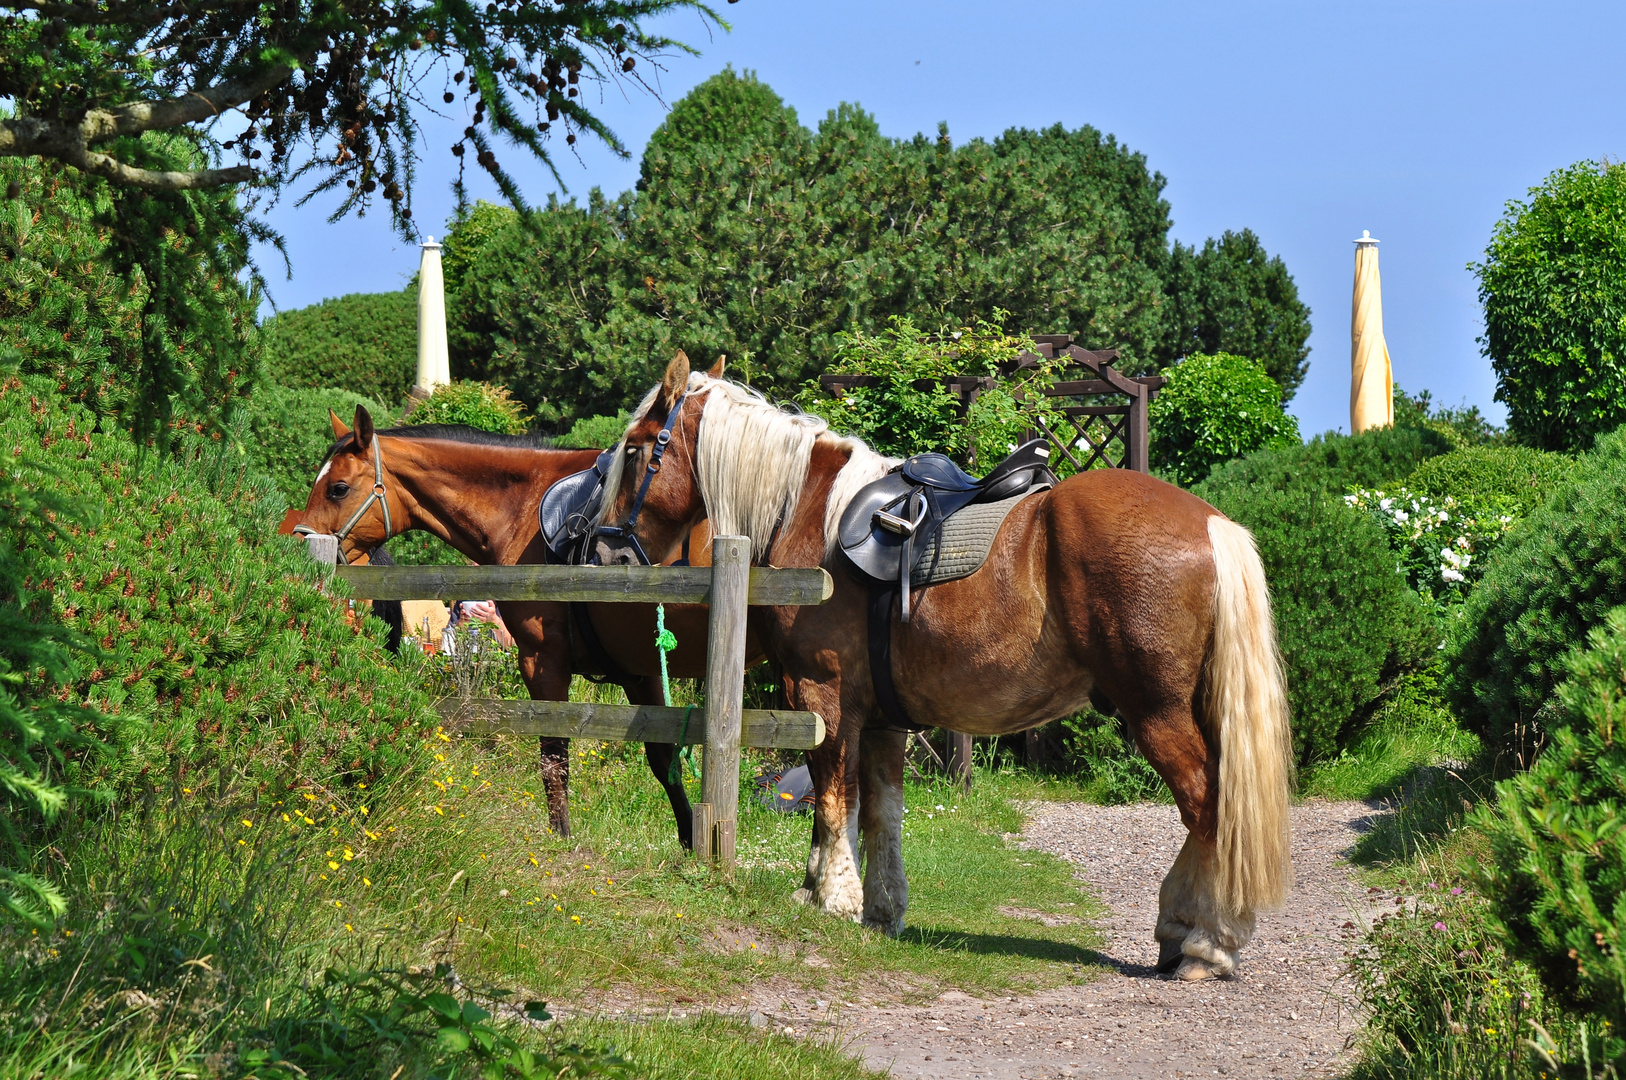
(1307, 122)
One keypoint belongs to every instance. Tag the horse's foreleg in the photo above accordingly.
(544, 665)
(880, 786)
(832, 867)
(662, 757)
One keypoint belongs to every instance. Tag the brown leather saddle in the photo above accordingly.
(892, 519)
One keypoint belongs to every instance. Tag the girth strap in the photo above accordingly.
(880, 660)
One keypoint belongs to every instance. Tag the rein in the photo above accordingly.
(627, 531)
(378, 495)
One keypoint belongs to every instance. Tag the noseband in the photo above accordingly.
(378, 495)
(627, 531)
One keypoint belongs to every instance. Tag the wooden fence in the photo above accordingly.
(728, 586)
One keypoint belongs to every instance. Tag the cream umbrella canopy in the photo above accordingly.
(434, 364)
(1371, 380)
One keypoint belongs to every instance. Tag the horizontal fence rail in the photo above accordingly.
(783, 729)
(768, 586)
(728, 587)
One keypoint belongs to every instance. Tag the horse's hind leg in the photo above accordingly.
(661, 758)
(1198, 937)
(880, 822)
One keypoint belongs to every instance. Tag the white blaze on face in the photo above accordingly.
(326, 465)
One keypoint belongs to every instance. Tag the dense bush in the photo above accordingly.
(222, 661)
(1344, 616)
(289, 433)
(1553, 297)
(1216, 408)
(38, 659)
(1514, 479)
(133, 304)
(1550, 583)
(594, 432)
(1334, 463)
(366, 343)
(471, 404)
(1557, 877)
(752, 236)
(1234, 297)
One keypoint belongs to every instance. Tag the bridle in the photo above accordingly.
(378, 495)
(627, 531)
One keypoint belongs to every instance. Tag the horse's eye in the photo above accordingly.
(338, 490)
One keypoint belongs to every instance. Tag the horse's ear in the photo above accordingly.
(364, 428)
(339, 430)
(716, 371)
(676, 380)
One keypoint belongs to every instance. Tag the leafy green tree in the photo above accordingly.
(1234, 297)
(366, 343)
(751, 236)
(139, 304)
(121, 100)
(1214, 409)
(1555, 307)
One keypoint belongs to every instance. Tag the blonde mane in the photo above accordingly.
(751, 461)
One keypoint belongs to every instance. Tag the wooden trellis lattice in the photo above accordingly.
(1102, 428)
(1124, 426)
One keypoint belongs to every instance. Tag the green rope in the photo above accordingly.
(665, 642)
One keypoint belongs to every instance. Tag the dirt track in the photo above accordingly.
(1280, 1016)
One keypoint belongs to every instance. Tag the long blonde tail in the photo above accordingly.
(1246, 705)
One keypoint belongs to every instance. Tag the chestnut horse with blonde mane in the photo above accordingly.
(479, 492)
(1111, 581)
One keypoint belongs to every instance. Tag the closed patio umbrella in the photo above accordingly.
(434, 364)
(1371, 383)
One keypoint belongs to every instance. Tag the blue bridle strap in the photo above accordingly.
(627, 530)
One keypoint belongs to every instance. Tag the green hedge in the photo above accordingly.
(1334, 463)
(366, 343)
(222, 662)
(1516, 479)
(472, 404)
(1549, 583)
(289, 433)
(1557, 877)
(1343, 613)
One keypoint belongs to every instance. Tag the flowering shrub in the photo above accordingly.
(1441, 995)
(1441, 542)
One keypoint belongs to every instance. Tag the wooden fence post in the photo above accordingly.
(960, 757)
(323, 548)
(725, 692)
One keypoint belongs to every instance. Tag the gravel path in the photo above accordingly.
(1280, 1016)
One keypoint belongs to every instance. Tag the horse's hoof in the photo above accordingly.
(1192, 969)
(1169, 956)
(891, 927)
(802, 896)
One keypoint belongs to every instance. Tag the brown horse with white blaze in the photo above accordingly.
(479, 492)
(1110, 581)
